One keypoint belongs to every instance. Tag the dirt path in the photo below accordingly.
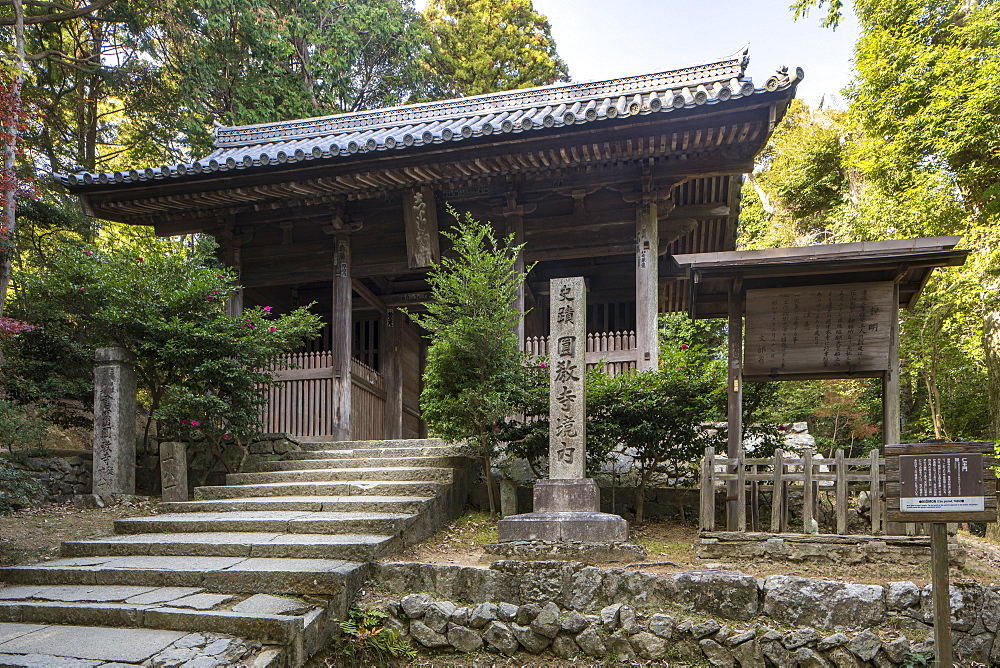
(34, 534)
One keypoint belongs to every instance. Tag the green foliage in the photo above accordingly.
(199, 370)
(18, 429)
(484, 46)
(474, 374)
(17, 488)
(366, 641)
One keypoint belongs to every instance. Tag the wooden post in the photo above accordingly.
(741, 490)
(808, 499)
(647, 274)
(735, 392)
(755, 502)
(342, 326)
(514, 214)
(943, 655)
(708, 491)
(875, 495)
(392, 372)
(232, 256)
(841, 492)
(890, 400)
(776, 501)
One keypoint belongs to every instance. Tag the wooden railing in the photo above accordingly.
(367, 402)
(615, 350)
(302, 401)
(775, 476)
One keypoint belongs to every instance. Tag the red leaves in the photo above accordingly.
(10, 327)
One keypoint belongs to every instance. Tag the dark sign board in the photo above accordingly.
(825, 330)
(948, 482)
(940, 482)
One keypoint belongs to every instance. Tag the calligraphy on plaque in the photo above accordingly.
(826, 329)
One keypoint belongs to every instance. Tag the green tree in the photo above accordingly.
(475, 370)
(201, 372)
(484, 46)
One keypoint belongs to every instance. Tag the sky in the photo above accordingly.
(606, 39)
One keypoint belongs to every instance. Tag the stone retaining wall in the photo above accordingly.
(61, 473)
(778, 603)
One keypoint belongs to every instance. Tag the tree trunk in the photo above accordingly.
(991, 349)
(489, 484)
(9, 219)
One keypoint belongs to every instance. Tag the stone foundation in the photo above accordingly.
(591, 553)
(725, 545)
(780, 604)
(61, 473)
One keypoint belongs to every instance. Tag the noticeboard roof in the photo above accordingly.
(908, 261)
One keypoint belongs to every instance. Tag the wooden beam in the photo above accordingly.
(368, 295)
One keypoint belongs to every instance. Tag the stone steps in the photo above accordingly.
(358, 463)
(421, 488)
(274, 556)
(375, 453)
(350, 547)
(376, 444)
(268, 521)
(359, 503)
(386, 473)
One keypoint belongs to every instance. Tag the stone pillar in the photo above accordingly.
(567, 391)
(114, 422)
(567, 505)
(340, 343)
(173, 471)
(647, 276)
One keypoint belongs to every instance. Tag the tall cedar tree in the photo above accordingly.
(475, 370)
(484, 46)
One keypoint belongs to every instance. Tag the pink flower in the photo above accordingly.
(267, 308)
(225, 437)
(194, 423)
(89, 253)
(209, 298)
(543, 365)
(215, 292)
(273, 329)
(684, 346)
(184, 421)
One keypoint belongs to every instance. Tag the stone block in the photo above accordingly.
(565, 495)
(173, 471)
(823, 604)
(564, 527)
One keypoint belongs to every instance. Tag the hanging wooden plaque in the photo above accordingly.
(824, 330)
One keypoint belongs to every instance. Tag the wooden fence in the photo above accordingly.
(775, 476)
(301, 403)
(616, 350)
(367, 402)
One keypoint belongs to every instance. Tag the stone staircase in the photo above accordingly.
(255, 572)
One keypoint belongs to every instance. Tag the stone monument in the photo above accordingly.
(567, 505)
(173, 471)
(114, 422)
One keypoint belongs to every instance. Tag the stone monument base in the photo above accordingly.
(543, 550)
(566, 511)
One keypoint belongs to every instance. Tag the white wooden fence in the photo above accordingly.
(616, 351)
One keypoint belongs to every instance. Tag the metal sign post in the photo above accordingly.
(939, 483)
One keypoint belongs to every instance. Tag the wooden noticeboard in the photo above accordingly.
(940, 482)
(819, 331)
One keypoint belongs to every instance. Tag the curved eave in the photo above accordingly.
(366, 143)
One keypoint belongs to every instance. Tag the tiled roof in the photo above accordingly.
(518, 111)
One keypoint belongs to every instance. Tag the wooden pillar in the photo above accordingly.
(890, 381)
(735, 395)
(513, 213)
(342, 322)
(392, 373)
(231, 249)
(890, 403)
(647, 276)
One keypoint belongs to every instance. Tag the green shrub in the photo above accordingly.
(17, 488)
(18, 429)
(367, 642)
